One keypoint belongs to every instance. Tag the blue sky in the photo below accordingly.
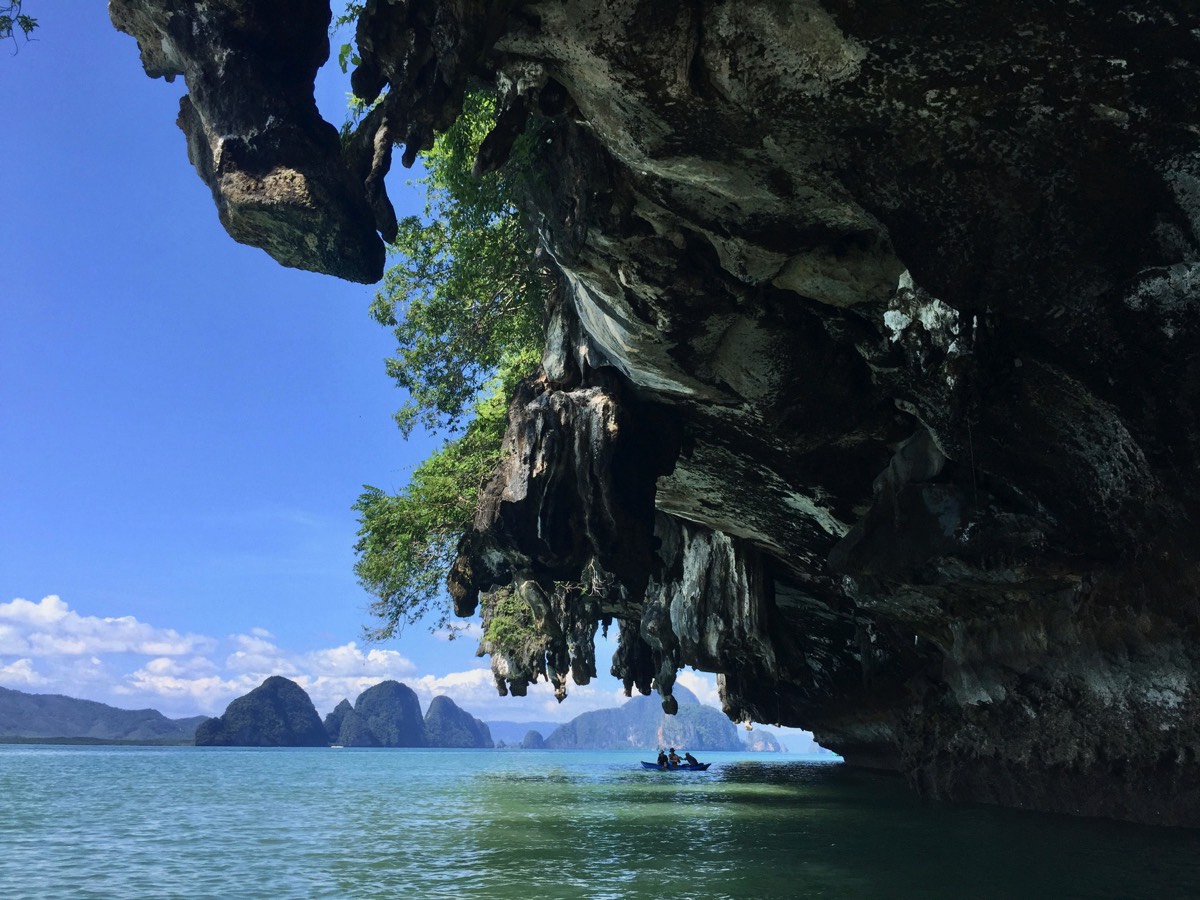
(186, 422)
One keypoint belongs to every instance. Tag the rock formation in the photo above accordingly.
(277, 713)
(533, 740)
(641, 724)
(333, 721)
(760, 741)
(386, 715)
(871, 381)
(448, 725)
(278, 172)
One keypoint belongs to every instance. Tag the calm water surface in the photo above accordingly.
(125, 822)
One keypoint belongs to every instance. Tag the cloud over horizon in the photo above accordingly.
(51, 628)
(47, 647)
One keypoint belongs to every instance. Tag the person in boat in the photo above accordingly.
(673, 758)
(691, 760)
(662, 758)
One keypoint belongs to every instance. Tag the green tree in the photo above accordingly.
(510, 626)
(465, 294)
(465, 301)
(406, 541)
(349, 16)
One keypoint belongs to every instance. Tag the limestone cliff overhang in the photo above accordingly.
(278, 172)
(871, 381)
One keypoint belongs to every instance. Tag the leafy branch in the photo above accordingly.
(465, 292)
(407, 541)
(14, 19)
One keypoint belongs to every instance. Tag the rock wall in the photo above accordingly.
(871, 381)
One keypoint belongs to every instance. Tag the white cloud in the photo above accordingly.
(51, 628)
(120, 660)
(12, 642)
(328, 675)
(48, 610)
(471, 689)
(49, 647)
(184, 695)
(460, 631)
(348, 659)
(256, 655)
(702, 684)
(190, 667)
(475, 691)
(342, 673)
(20, 673)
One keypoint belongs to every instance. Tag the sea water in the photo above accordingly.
(141, 822)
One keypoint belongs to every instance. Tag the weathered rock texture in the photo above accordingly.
(871, 382)
(278, 172)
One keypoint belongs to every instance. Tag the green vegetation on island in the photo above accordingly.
(447, 725)
(279, 713)
(385, 715)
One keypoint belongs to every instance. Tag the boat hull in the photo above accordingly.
(682, 767)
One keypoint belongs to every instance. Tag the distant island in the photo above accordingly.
(279, 713)
(639, 724)
(28, 717)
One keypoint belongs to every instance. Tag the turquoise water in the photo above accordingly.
(133, 822)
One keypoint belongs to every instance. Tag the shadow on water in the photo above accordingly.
(798, 829)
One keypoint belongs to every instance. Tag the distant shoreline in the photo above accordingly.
(144, 742)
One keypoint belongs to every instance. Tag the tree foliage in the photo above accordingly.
(406, 541)
(465, 293)
(14, 19)
(511, 628)
(465, 302)
(349, 16)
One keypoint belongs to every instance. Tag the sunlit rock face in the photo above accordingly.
(278, 173)
(871, 381)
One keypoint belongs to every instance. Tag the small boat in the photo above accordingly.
(682, 767)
